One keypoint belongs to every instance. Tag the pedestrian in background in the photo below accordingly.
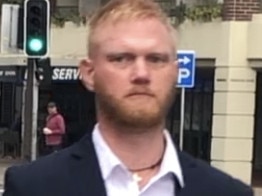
(54, 129)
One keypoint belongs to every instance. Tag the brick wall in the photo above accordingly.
(240, 10)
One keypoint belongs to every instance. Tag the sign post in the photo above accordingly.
(28, 112)
(186, 79)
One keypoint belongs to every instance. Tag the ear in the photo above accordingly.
(86, 68)
(175, 62)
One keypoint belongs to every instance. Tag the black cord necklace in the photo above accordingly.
(148, 167)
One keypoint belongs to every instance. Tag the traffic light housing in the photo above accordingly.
(36, 28)
(44, 71)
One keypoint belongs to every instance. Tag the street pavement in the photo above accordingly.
(258, 191)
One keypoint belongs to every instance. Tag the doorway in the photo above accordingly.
(198, 115)
(75, 103)
(257, 155)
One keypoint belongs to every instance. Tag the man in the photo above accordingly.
(54, 129)
(132, 68)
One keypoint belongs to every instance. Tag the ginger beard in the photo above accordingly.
(139, 111)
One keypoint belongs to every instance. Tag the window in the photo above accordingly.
(198, 115)
(7, 90)
(64, 8)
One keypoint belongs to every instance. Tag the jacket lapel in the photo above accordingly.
(86, 178)
(191, 175)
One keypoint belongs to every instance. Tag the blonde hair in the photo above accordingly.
(121, 10)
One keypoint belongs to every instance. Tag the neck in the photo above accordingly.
(135, 148)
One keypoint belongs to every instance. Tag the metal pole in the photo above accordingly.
(34, 117)
(23, 116)
(28, 108)
(30, 113)
(182, 118)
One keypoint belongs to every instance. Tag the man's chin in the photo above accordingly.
(140, 119)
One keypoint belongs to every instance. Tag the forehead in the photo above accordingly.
(137, 35)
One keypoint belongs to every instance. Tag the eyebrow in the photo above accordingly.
(162, 54)
(119, 54)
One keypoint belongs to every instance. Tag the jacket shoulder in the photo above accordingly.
(29, 178)
(198, 173)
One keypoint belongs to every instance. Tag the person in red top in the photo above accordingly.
(54, 129)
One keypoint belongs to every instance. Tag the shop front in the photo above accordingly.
(75, 103)
(11, 88)
(198, 115)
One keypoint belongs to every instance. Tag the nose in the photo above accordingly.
(140, 72)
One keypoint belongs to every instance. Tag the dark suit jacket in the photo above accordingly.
(75, 172)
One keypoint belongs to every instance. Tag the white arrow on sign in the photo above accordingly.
(185, 60)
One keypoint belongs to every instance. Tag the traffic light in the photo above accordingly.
(44, 71)
(36, 28)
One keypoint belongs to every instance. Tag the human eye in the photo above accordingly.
(121, 59)
(115, 58)
(158, 60)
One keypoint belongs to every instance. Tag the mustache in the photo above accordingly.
(140, 91)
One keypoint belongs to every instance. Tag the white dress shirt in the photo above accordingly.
(119, 181)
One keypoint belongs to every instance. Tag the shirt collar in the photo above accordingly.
(108, 160)
(170, 162)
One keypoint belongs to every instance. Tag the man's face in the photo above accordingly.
(133, 72)
(51, 110)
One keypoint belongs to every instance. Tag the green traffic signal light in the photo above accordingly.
(35, 45)
(36, 28)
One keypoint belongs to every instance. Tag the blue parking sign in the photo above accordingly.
(187, 66)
